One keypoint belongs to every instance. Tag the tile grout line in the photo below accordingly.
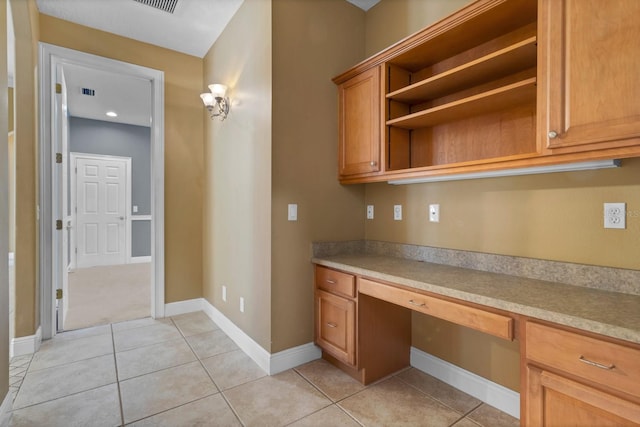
(207, 372)
(333, 403)
(115, 363)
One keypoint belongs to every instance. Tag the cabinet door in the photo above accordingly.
(556, 401)
(335, 326)
(359, 148)
(589, 74)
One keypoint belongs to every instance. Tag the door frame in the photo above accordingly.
(50, 56)
(74, 156)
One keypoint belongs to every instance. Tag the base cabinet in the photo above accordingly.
(577, 380)
(556, 401)
(365, 337)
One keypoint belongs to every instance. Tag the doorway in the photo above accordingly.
(52, 254)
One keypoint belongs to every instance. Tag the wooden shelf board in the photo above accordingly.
(514, 58)
(493, 100)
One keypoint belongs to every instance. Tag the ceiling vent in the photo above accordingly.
(165, 5)
(88, 92)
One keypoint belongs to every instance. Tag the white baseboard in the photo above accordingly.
(139, 259)
(489, 392)
(25, 345)
(292, 357)
(182, 307)
(270, 363)
(251, 348)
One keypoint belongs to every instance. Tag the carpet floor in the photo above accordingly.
(108, 294)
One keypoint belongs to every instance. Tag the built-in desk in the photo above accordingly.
(366, 330)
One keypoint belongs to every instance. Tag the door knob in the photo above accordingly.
(121, 218)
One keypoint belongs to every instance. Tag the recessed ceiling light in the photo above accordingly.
(112, 114)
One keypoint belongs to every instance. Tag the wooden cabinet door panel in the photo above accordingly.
(560, 402)
(589, 67)
(359, 148)
(335, 326)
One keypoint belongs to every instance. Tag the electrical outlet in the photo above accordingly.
(241, 305)
(397, 212)
(369, 211)
(224, 293)
(434, 213)
(615, 215)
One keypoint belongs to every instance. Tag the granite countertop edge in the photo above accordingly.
(386, 269)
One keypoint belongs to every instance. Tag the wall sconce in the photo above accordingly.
(215, 101)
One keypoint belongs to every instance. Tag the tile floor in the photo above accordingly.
(184, 371)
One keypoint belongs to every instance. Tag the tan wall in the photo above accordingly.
(4, 209)
(183, 143)
(392, 20)
(25, 24)
(237, 188)
(310, 46)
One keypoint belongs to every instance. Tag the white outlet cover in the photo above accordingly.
(241, 305)
(397, 212)
(434, 213)
(369, 211)
(224, 293)
(615, 215)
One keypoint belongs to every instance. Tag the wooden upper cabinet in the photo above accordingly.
(589, 66)
(359, 146)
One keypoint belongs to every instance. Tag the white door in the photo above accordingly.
(101, 210)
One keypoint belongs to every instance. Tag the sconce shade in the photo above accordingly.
(207, 98)
(218, 90)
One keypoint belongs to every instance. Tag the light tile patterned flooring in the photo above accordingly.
(184, 371)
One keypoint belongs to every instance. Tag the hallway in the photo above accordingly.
(184, 371)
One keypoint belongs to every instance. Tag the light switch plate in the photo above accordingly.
(397, 212)
(292, 212)
(369, 211)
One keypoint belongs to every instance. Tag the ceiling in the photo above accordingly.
(192, 27)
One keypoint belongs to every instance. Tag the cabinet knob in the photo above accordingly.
(373, 163)
(552, 134)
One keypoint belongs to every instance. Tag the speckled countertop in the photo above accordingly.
(608, 313)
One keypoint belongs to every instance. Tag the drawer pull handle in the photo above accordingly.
(418, 304)
(596, 364)
(332, 325)
(331, 281)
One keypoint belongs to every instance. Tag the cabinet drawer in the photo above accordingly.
(335, 281)
(484, 321)
(610, 364)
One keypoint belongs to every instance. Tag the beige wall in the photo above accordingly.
(554, 217)
(237, 188)
(183, 143)
(4, 210)
(392, 20)
(25, 24)
(310, 46)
